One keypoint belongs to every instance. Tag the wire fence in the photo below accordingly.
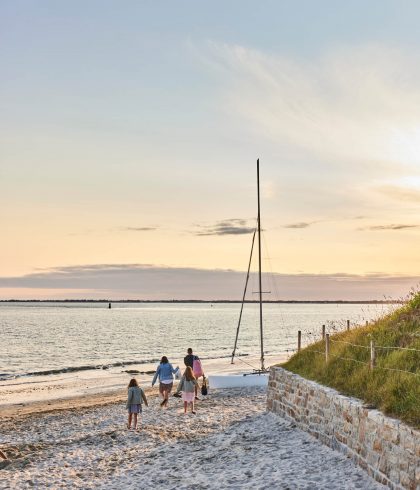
(309, 338)
(384, 347)
(372, 350)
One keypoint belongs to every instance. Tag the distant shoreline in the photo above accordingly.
(218, 301)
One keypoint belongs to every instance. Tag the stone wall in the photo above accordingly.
(386, 448)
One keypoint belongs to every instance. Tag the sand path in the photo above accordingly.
(232, 442)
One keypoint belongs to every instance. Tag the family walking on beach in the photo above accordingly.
(188, 386)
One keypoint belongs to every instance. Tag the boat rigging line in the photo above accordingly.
(260, 292)
(243, 297)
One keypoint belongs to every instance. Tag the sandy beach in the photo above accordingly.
(35, 394)
(232, 442)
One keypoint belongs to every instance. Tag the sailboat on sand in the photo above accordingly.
(256, 377)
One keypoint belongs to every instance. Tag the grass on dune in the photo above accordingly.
(387, 388)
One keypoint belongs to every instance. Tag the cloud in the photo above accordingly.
(388, 227)
(299, 225)
(138, 228)
(226, 227)
(307, 224)
(145, 281)
(400, 193)
(356, 105)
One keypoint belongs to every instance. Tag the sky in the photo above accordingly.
(129, 134)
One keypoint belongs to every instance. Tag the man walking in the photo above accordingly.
(194, 363)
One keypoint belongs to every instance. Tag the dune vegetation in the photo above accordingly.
(393, 384)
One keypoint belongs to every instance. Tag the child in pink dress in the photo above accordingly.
(188, 385)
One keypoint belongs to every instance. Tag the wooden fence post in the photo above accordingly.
(327, 346)
(372, 355)
(323, 332)
(367, 322)
(299, 340)
(348, 324)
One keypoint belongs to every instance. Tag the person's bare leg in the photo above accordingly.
(192, 407)
(130, 416)
(185, 407)
(135, 422)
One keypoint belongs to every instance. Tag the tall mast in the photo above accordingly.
(259, 267)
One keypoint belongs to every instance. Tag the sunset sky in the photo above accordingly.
(129, 133)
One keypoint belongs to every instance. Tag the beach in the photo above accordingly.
(35, 394)
(232, 442)
(63, 426)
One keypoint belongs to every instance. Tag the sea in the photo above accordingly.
(41, 339)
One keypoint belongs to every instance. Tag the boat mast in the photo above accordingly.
(259, 268)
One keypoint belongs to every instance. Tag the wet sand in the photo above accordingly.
(35, 394)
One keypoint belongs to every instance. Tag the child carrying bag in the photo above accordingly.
(204, 387)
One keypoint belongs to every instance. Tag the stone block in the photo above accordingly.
(390, 434)
(383, 465)
(394, 475)
(417, 472)
(403, 464)
(376, 416)
(362, 431)
(373, 459)
(407, 439)
(347, 417)
(362, 463)
(406, 481)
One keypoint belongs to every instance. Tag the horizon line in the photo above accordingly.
(90, 300)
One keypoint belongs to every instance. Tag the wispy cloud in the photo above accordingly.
(388, 227)
(307, 224)
(400, 193)
(225, 227)
(350, 105)
(299, 225)
(138, 228)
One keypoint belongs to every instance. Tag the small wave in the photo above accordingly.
(89, 367)
(62, 370)
(92, 367)
(136, 371)
(222, 357)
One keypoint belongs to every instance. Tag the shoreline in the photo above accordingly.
(87, 389)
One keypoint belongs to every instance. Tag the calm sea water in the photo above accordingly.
(53, 337)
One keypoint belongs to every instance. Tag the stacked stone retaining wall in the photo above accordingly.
(387, 449)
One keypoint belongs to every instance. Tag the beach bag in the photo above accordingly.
(204, 387)
(197, 368)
